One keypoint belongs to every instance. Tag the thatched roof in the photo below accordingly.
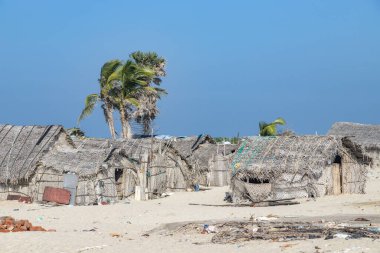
(90, 154)
(186, 146)
(367, 136)
(268, 156)
(21, 147)
(84, 162)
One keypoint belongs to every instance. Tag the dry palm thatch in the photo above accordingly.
(367, 136)
(22, 147)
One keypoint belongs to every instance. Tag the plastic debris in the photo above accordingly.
(342, 236)
(266, 218)
(374, 229)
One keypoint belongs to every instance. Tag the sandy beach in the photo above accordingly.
(123, 227)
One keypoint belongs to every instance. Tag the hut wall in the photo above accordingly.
(157, 181)
(45, 177)
(375, 155)
(175, 178)
(130, 182)
(219, 174)
(86, 191)
(290, 185)
(105, 185)
(353, 176)
(332, 179)
(19, 189)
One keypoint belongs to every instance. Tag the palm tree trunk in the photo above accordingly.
(125, 126)
(108, 114)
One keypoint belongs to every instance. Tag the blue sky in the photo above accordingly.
(231, 64)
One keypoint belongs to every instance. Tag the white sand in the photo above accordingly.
(134, 219)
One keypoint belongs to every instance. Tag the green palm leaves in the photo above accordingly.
(130, 88)
(89, 105)
(270, 129)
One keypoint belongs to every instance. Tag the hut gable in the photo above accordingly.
(199, 153)
(367, 136)
(21, 147)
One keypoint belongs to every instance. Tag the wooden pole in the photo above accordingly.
(142, 175)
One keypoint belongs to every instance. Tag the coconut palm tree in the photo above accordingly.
(105, 85)
(270, 129)
(127, 83)
(147, 111)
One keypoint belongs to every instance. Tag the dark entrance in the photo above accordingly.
(119, 183)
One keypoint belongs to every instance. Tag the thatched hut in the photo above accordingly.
(110, 170)
(21, 148)
(207, 161)
(95, 182)
(297, 166)
(367, 136)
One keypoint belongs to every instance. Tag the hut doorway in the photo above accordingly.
(119, 176)
(337, 176)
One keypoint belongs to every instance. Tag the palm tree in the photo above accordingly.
(127, 83)
(147, 111)
(270, 129)
(105, 85)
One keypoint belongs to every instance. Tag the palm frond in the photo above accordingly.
(90, 103)
(279, 121)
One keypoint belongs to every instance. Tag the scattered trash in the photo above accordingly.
(90, 248)
(374, 229)
(211, 229)
(16, 209)
(23, 199)
(361, 219)
(288, 245)
(40, 218)
(167, 194)
(57, 195)
(266, 218)
(90, 230)
(330, 224)
(196, 187)
(26, 200)
(342, 236)
(269, 228)
(146, 235)
(117, 235)
(13, 197)
(9, 224)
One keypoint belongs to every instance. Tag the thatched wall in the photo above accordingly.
(296, 166)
